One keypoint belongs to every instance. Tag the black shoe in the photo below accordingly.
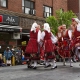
(29, 66)
(64, 65)
(47, 66)
(34, 67)
(54, 67)
(71, 66)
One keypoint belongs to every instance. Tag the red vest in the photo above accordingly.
(76, 33)
(33, 35)
(47, 35)
(66, 35)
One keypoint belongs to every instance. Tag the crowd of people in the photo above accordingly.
(43, 44)
(9, 53)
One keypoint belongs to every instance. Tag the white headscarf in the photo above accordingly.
(34, 25)
(78, 25)
(76, 19)
(46, 27)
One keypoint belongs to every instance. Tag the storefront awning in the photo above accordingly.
(10, 28)
(26, 34)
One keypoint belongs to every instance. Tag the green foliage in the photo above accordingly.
(61, 18)
(64, 17)
(53, 23)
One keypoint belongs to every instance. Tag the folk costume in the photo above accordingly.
(59, 36)
(66, 41)
(76, 35)
(48, 45)
(32, 48)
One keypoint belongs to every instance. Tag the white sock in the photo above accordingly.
(70, 62)
(31, 63)
(35, 63)
(44, 61)
(64, 62)
(53, 63)
(47, 63)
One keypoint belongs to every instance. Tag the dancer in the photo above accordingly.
(76, 35)
(32, 48)
(66, 41)
(48, 46)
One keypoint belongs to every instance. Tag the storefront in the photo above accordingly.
(10, 31)
(15, 28)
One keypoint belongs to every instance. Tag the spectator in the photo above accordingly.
(18, 55)
(2, 64)
(8, 54)
(19, 51)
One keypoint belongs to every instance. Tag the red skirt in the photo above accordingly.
(76, 41)
(64, 49)
(31, 51)
(42, 54)
(46, 56)
(32, 56)
(48, 46)
(60, 49)
(54, 47)
(50, 55)
(32, 47)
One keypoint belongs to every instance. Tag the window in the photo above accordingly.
(28, 7)
(47, 11)
(3, 3)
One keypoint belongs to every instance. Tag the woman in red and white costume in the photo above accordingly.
(33, 44)
(59, 36)
(76, 35)
(47, 39)
(66, 42)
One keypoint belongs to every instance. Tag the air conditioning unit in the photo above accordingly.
(32, 12)
(16, 36)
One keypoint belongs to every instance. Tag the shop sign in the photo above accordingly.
(1, 18)
(6, 29)
(9, 30)
(9, 20)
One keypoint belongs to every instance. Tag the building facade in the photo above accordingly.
(17, 16)
(74, 5)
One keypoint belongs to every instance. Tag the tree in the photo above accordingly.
(64, 17)
(53, 23)
(60, 18)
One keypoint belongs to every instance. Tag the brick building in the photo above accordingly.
(17, 17)
(74, 5)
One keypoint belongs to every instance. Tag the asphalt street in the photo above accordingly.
(20, 72)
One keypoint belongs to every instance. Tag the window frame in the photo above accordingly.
(50, 13)
(6, 6)
(31, 9)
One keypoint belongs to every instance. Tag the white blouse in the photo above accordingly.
(53, 38)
